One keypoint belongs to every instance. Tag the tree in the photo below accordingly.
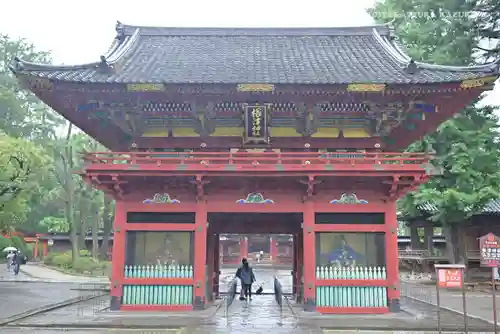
(487, 23)
(21, 113)
(23, 165)
(467, 149)
(58, 201)
(107, 221)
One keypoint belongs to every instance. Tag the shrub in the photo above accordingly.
(62, 260)
(20, 244)
(49, 259)
(29, 251)
(5, 242)
(85, 253)
(86, 265)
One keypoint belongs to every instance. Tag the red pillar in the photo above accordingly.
(309, 258)
(243, 248)
(273, 249)
(118, 263)
(294, 270)
(44, 248)
(300, 267)
(216, 265)
(35, 249)
(391, 245)
(200, 255)
(211, 259)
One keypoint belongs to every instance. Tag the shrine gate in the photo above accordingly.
(272, 130)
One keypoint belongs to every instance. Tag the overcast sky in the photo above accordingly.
(80, 31)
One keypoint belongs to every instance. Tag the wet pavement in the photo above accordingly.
(137, 331)
(8, 276)
(264, 278)
(256, 316)
(16, 298)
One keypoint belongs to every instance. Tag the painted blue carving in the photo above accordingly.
(255, 198)
(426, 107)
(161, 199)
(91, 105)
(349, 199)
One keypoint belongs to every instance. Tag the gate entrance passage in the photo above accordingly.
(190, 142)
(264, 227)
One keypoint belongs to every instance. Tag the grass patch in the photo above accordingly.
(85, 265)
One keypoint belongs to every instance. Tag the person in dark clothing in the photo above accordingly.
(247, 277)
(16, 261)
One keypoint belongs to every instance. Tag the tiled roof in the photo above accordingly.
(256, 55)
(492, 207)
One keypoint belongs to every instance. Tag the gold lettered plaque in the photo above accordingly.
(255, 88)
(359, 87)
(145, 87)
(480, 82)
(256, 124)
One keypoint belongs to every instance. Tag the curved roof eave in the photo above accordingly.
(126, 29)
(395, 51)
(121, 46)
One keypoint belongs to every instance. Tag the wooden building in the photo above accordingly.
(232, 249)
(266, 130)
(424, 248)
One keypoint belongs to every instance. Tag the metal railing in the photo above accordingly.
(231, 294)
(252, 158)
(278, 294)
(433, 253)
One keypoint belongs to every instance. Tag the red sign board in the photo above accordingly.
(450, 277)
(489, 247)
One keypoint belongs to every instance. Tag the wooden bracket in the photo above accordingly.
(200, 183)
(310, 183)
(117, 186)
(418, 180)
(93, 179)
(394, 187)
(111, 187)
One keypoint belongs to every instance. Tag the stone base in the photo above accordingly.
(115, 303)
(394, 306)
(309, 305)
(199, 303)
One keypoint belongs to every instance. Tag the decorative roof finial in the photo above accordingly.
(16, 64)
(120, 31)
(118, 26)
(411, 67)
(392, 30)
(104, 62)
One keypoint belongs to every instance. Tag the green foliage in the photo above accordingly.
(23, 165)
(85, 253)
(438, 31)
(42, 195)
(466, 146)
(62, 260)
(5, 242)
(19, 243)
(55, 224)
(83, 265)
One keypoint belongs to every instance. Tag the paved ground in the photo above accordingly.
(478, 304)
(257, 316)
(137, 331)
(39, 272)
(264, 277)
(8, 276)
(19, 297)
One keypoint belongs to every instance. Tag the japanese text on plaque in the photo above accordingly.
(256, 121)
